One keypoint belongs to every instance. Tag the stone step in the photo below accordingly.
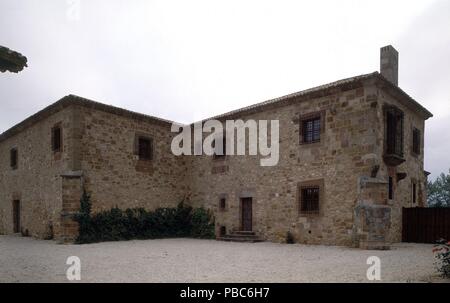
(243, 232)
(241, 236)
(240, 239)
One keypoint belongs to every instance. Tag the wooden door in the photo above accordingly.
(16, 216)
(246, 214)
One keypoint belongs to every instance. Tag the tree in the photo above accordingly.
(11, 61)
(439, 191)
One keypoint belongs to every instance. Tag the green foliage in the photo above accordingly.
(289, 238)
(442, 255)
(84, 220)
(201, 224)
(137, 223)
(439, 191)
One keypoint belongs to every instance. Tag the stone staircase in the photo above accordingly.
(241, 236)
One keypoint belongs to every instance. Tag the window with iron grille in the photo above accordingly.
(145, 148)
(416, 141)
(394, 132)
(56, 138)
(311, 130)
(13, 158)
(309, 200)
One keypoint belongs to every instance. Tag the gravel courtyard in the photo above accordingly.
(190, 260)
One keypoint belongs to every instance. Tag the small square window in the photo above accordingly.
(309, 202)
(14, 158)
(145, 148)
(311, 128)
(56, 139)
(310, 197)
(222, 204)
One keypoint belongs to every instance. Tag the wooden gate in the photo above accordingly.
(425, 225)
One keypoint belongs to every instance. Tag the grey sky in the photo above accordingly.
(188, 60)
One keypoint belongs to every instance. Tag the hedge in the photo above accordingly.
(137, 223)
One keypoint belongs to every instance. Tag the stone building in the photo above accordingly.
(351, 156)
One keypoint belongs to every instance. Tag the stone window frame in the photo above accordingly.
(222, 203)
(142, 136)
(53, 130)
(310, 116)
(221, 197)
(394, 141)
(416, 142)
(14, 158)
(317, 183)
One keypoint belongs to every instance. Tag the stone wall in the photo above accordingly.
(37, 181)
(348, 149)
(112, 173)
(99, 156)
(413, 166)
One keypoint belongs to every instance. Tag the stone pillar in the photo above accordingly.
(372, 215)
(72, 190)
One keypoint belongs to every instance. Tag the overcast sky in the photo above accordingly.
(188, 60)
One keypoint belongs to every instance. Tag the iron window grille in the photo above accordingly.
(309, 202)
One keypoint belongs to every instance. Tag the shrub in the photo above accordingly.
(137, 223)
(442, 255)
(202, 226)
(289, 238)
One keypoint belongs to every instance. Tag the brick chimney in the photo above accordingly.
(389, 63)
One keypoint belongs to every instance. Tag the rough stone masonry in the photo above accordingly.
(351, 156)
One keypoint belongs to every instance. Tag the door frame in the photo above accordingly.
(16, 212)
(241, 213)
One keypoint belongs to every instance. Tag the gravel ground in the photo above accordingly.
(190, 260)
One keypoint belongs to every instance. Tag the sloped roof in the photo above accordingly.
(76, 100)
(321, 90)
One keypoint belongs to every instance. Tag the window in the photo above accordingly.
(145, 148)
(312, 127)
(13, 158)
(218, 151)
(222, 204)
(391, 188)
(56, 138)
(311, 130)
(414, 192)
(309, 199)
(416, 141)
(394, 132)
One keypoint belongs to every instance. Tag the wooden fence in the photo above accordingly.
(425, 225)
